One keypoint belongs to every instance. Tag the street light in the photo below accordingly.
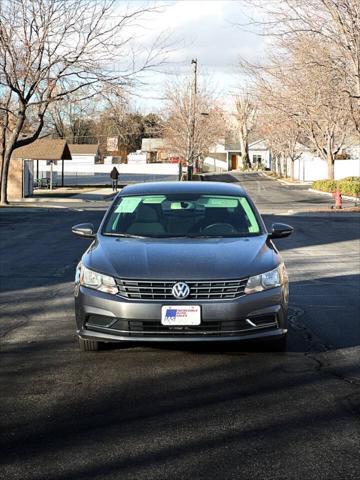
(191, 134)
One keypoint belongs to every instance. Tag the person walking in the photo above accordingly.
(114, 174)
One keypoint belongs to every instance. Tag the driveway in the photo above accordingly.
(150, 412)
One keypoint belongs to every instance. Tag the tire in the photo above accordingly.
(278, 345)
(88, 345)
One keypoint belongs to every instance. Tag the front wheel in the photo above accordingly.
(88, 345)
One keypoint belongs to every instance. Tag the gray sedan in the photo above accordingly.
(181, 261)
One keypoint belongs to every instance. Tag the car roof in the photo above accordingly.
(201, 188)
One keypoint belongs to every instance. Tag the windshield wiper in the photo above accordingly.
(199, 235)
(124, 235)
(226, 235)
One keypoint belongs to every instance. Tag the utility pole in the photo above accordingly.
(192, 110)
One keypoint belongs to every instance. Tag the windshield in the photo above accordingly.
(181, 215)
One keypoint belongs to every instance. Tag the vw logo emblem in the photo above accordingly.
(181, 290)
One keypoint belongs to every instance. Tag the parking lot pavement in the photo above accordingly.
(159, 412)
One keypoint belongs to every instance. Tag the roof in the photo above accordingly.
(259, 144)
(83, 149)
(44, 149)
(201, 188)
(232, 145)
(232, 141)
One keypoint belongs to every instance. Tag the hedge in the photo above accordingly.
(347, 186)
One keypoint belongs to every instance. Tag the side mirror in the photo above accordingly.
(84, 230)
(280, 230)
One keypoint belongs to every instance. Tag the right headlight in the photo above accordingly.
(264, 281)
(90, 279)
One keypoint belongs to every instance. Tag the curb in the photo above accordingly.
(330, 213)
(19, 208)
(284, 182)
(53, 200)
(111, 195)
(347, 197)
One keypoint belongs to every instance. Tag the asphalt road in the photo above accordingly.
(145, 412)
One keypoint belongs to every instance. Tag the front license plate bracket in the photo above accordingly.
(180, 315)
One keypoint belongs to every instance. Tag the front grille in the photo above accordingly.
(199, 290)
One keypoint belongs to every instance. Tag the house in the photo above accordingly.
(216, 160)
(84, 158)
(85, 153)
(233, 151)
(259, 152)
(24, 164)
(82, 155)
(155, 149)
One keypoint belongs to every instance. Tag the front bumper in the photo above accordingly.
(108, 318)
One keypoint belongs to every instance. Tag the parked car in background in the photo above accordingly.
(181, 261)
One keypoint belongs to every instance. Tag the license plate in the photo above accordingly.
(180, 315)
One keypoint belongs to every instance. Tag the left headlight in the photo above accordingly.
(90, 279)
(264, 281)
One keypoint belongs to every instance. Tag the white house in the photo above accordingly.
(85, 153)
(260, 153)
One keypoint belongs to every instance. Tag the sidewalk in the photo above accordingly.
(64, 198)
(70, 195)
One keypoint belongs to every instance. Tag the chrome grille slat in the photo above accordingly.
(199, 290)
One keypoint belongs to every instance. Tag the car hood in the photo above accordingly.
(186, 259)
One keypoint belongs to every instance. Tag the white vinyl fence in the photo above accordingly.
(309, 168)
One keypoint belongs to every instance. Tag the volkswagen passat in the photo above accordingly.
(181, 261)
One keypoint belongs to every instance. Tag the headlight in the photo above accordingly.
(90, 279)
(266, 280)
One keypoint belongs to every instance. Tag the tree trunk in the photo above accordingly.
(330, 162)
(245, 153)
(11, 144)
(284, 165)
(273, 163)
(330, 156)
(5, 164)
(292, 168)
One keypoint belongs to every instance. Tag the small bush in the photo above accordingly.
(350, 187)
(325, 185)
(347, 186)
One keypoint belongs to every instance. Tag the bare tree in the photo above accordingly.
(209, 121)
(72, 118)
(298, 83)
(246, 119)
(334, 23)
(50, 49)
(283, 135)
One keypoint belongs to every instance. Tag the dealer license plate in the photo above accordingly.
(180, 315)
